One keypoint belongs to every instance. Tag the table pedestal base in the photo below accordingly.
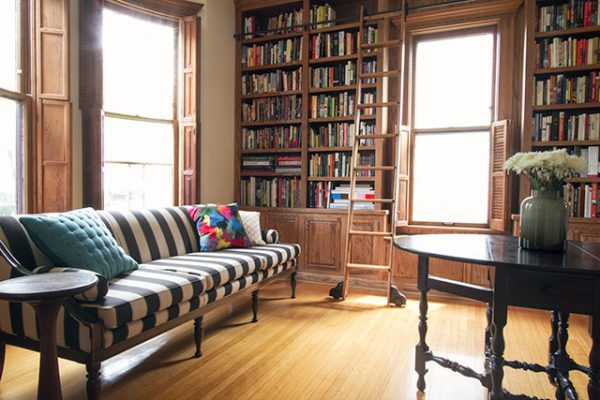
(49, 377)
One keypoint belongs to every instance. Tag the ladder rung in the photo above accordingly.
(381, 201)
(377, 136)
(369, 266)
(379, 45)
(384, 74)
(389, 14)
(379, 105)
(375, 168)
(371, 233)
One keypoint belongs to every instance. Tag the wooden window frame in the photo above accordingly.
(506, 16)
(186, 114)
(445, 34)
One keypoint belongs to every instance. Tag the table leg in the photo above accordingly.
(594, 382)
(553, 343)
(49, 378)
(422, 348)
(499, 316)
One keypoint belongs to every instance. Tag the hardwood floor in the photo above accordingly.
(313, 348)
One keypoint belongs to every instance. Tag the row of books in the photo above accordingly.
(590, 155)
(338, 75)
(339, 134)
(272, 109)
(560, 89)
(582, 200)
(571, 14)
(322, 13)
(274, 81)
(284, 22)
(279, 163)
(561, 126)
(270, 192)
(559, 52)
(338, 164)
(331, 195)
(271, 137)
(281, 51)
(332, 105)
(333, 44)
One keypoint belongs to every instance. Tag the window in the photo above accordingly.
(454, 80)
(12, 109)
(139, 69)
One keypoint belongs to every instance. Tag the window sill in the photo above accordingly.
(423, 229)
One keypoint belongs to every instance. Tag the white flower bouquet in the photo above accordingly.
(547, 169)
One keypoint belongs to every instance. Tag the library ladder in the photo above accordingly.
(361, 108)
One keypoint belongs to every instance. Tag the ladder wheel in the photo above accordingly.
(397, 298)
(337, 292)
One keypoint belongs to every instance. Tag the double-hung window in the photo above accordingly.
(13, 109)
(139, 69)
(453, 103)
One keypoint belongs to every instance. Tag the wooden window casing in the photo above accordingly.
(186, 115)
(501, 16)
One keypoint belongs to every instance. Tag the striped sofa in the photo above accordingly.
(174, 284)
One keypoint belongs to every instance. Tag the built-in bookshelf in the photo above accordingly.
(564, 101)
(297, 88)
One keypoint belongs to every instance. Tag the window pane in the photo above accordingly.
(138, 164)
(11, 128)
(139, 66)
(453, 86)
(9, 44)
(451, 177)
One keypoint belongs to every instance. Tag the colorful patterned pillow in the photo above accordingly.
(219, 226)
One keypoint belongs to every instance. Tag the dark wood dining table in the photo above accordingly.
(561, 283)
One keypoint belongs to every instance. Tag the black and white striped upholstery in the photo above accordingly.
(270, 236)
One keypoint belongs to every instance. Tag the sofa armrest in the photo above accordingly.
(95, 293)
(270, 236)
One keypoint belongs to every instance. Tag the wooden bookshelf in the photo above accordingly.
(565, 124)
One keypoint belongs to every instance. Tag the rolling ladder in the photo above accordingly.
(390, 138)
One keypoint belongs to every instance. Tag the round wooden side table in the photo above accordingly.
(46, 293)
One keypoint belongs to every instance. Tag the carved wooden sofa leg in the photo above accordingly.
(93, 381)
(293, 282)
(2, 356)
(255, 306)
(198, 335)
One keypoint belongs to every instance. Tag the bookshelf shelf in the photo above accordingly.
(563, 70)
(338, 148)
(340, 119)
(570, 106)
(269, 123)
(565, 143)
(271, 151)
(269, 173)
(272, 66)
(568, 32)
(338, 179)
(584, 179)
(340, 27)
(271, 37)
(345, 88)
(271, 94)
(335, 59)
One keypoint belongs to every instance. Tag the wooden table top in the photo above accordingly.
(503, 251)
(39, 287)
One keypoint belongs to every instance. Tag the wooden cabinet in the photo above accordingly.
(322, 243)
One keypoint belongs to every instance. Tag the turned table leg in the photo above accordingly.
(499, 316)
(422, 348)
(594, 382)
(49, 381)
(553, 343)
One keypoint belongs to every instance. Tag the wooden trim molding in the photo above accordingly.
(472, 10)
(164, 8)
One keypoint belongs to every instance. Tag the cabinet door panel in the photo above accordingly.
(286, 225)
(321, 244)
(367, 249)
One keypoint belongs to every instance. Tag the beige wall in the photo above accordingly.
(216, 108)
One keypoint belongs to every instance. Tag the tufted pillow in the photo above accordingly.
(251, 222)
(78, 239)
(219, 226)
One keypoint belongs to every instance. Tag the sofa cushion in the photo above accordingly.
(223, 266)
(143, 292)
(151, 234)
(219, 227)
(78, 239)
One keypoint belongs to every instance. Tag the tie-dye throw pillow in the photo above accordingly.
(219, 226)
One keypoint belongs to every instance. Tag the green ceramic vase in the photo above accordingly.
(544, 221)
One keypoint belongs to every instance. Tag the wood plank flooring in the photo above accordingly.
(313, 348)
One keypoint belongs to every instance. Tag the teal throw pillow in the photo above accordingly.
(78, 239)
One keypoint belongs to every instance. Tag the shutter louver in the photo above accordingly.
(499, 180)
(403, 195)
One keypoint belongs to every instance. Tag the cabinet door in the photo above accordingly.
(285, 224)
(367, 249)
(321, 244)
(585, 232)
